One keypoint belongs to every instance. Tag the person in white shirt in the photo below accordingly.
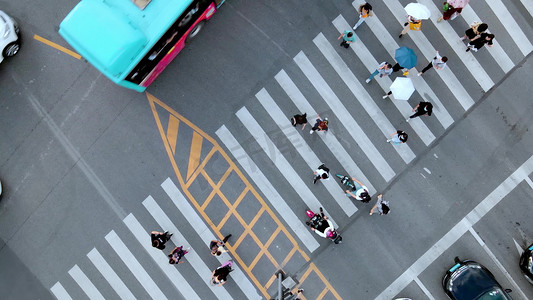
(438, 62)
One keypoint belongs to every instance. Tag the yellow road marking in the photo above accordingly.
(172, 132)
(264, 210)
(54, 45)
(196, 151)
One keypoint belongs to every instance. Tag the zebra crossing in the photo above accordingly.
(318, 80)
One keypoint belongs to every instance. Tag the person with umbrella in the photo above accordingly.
(405, 59)
(452, 9)
(438, 62)
(416, 12)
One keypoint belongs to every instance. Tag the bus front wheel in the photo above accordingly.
(195, 30)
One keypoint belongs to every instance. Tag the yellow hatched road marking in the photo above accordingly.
(56, 46)
(192, 174)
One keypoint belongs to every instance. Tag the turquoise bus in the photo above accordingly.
(132, 41)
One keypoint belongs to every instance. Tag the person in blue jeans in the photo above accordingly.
(384, 69)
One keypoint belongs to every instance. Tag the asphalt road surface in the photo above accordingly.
(89, 168)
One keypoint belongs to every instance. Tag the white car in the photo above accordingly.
(9, 36)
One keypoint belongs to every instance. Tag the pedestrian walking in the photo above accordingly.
(360, 192)
(475, 31)
(381, 206)
(384, 69)
(411, 24)
(217, 247)
(220, 275)
(297, 296)
(398, 137)
(484, 39)
(421, 109)
(159, 239)
(299, 119)
(365, 11)
(176, 255)
(449, 12)
(320, 125)
(322, 172)
(438, 62)
(397, 68)
(347, 38)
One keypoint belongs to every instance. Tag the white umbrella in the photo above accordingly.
(418, 11)
(402, 88)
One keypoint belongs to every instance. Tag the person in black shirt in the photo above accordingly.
(159, 239)
(422, 109)
(484, 38)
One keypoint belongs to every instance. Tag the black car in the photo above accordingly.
(526, 263)
(469, 280)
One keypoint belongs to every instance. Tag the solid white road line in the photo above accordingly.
(283, 165)
(497, 262)
(110, 275)
(59, 291)
(329, 140)
(421, 86)
(458, 230)
(509, 23)
(371, 64)
(424, 289)
(85, 283)
(134, 266)
(275, 199)
(529, 182)
(446, 74)
(192, 257)
(459, 47)
(345, 118)
(203, 231)
(518, 248)
(361, 95)
(160, 258)
(496, 50)
(303, 149)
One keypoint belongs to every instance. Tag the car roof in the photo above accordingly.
(472, 280)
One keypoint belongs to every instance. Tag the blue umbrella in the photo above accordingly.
(405, 57)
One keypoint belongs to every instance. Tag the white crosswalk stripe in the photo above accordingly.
(110, 275)
(304, 150)
(59, 291)
(361, 94)
(192, 257)
(450, 36)
(134, 266)
(85, 283)
(280, 161)
(345, 118)
(272, 195)
(514, 30)
(341, 155)
(528, 4)
(403, 106)
(202, 230)
(497, 52)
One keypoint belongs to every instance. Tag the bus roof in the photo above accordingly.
(114, 35)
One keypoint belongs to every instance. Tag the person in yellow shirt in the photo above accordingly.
(365, 11)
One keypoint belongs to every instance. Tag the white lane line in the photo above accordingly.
(421, 85)
(424, 289)
(357, 133)
(497, 262)
(329, 140)
(528, 4)
(496, 50)
(468, 58)
(275, 199)
(361, 94)
(458, 230)
(85, 283)
(192, 257)
(281, 162)
(303, 149)
(110, 275)
(371, 64)
(509, 23)
(529, 182)
(160, 258)
(201, 229)
(518, 248)
(59, 291)
(134, 266)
